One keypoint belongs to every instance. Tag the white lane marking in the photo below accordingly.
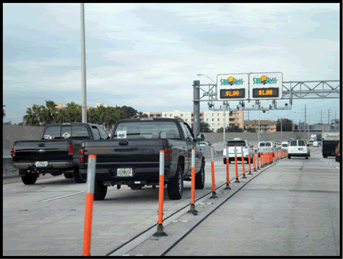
(59, 197)
(337, 167)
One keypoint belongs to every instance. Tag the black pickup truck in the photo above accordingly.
(131, 156)
(56, 152)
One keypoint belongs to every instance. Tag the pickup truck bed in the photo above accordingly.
(136, 149)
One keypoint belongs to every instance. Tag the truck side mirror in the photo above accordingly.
(201, 137)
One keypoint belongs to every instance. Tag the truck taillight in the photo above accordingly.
(13, 150)
(167, 153)
(81, 155)
(70, 149)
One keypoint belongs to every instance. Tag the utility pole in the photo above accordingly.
(305, 120)
(281, 129)
(196, 107)
(258, 126)
(83, 66)
(224, 130)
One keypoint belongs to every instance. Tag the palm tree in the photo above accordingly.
(73, 112)
(31, 118)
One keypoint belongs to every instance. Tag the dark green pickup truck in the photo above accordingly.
(56, 152)
(131, 156)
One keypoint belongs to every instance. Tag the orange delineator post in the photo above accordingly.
(249, 164)
(160, 231)
(243, 166)
(192, 208)
(88, 224)
(160, 200)
(214, 195)
(227, 170)
(261, 157)
(253, 156)
(258, 160)
(87, 233)
(236, 166)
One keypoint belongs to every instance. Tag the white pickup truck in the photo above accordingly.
(298, 148)
(247, 149)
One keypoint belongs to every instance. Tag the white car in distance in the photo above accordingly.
(238, 142)
(284, 145)
(315, 144)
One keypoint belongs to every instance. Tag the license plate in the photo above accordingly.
(124, 172)
(300, 148)
(42, 164)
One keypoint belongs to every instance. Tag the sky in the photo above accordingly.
(147, 55)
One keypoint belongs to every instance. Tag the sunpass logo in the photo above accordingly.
(264, 80)
(231, 81)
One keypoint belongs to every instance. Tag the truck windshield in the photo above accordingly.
(57, 132)
(147, 130)
(268, 144)
(236, 143)
(262, 144)
(284, 145)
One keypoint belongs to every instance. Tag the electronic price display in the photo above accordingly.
(232, 93)
(266, 85)
(265, 92)
(232, 87)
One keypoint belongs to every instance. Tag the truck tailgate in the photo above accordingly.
(42, 150)
(124, 151)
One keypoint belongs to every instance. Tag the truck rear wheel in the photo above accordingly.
(77, 176)
(200, 178)
(175, 185)
(100, 191)
(29, 178)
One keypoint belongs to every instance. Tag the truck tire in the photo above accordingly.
(337, 159)
(306, 157)
(29, 178)
(77, 176)
(68, 175)
(175, 185)
(289, 157)
(100, 191)
(200, 178)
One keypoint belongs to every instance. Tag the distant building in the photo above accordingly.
(215, 119)
(265, 125)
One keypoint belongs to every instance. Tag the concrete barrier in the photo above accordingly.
(8, 169)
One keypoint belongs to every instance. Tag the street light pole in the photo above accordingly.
(83, 66)
(258, 126)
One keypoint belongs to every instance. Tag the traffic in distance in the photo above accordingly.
(63, 149)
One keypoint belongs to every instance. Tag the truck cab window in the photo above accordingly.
(95, 132)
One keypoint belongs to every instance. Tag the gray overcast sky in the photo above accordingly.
(147, 55)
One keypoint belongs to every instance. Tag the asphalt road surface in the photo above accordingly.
(48, 218)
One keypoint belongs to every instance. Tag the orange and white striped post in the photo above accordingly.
(160, 231)
(192, 208)
(227, 169)
(214, 195)
(258, 160)
(261, 157)
(87, 232)
(236, 166)
(254, 158)
(249, 164)
(243, 167)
